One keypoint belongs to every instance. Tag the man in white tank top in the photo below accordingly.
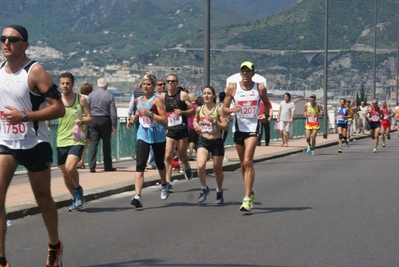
(246, 96)
(28, 97)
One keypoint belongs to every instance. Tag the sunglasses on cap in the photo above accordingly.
(11, 39)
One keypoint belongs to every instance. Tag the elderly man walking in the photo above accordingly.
(103, 126)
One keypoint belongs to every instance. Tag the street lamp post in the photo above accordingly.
(207, 43)
(325, 124)
(375, 48)
(397, 61)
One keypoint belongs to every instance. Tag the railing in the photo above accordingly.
(123, 143)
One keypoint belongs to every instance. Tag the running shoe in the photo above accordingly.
(282, 144)
(188, 174)
(136, 202)
(339, 150)
(308, 150)
(219, 197)
(54, 257)
(253, 195)
(164, 192)
(312, 153)
(384, 145)
(246, 204)
(375, 150)
(286, 144)
(389, 137)
(150, 167)
(73, 206)
(169, 187)
(347, 142)
(80, 200)
(203, 193)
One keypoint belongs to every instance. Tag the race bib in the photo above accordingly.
(147, 122)
(375, 118)
(312, 119)
(248, 108)
(207, 126)
(173, 119)
(12, 132)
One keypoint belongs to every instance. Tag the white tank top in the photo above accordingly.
(14, 92)
(246, 120)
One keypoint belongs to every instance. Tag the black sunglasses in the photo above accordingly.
(11, 39)
(171, 81)
(160, 84)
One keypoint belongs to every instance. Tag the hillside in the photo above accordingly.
(301, 26)
(122, 29)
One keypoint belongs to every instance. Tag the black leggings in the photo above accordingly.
(143, 151)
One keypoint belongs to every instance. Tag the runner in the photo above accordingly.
(178, 108)
(341, 119)
(246, 96)
(386, 122)
(374, 116)
(209, 122)
(150, 134)
(312, 111)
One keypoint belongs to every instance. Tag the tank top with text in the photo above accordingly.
(15, 92)
(246, 120)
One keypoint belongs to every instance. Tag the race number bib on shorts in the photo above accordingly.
(248, 108)
(12, 132)
(173, 119)
(147, 122)
(207, 126)
(375, 118)
(312, 118)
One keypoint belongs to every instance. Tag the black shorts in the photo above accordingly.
(64, 152)
(35, 159)
(177, 134)
(192, 136)
(374, 125)
(342, 125)
(239, 137)
(215, 147)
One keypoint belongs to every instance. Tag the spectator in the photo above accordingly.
(85, 90)
(103, 110)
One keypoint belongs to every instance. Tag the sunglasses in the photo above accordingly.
(171, 81)
(11, 39)
(160, 84)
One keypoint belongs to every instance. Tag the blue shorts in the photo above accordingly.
(374, 125)
(342, 125)
(64, 152)
(35, 159)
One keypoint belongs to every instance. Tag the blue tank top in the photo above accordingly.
(340, 113)
(149, 130)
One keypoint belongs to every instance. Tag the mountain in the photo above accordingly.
(121, 29)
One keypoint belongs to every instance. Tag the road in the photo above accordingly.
(329, 210)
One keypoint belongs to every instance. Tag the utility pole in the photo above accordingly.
(207, 43)
(325, 116)
(375, 48)
(397, 60)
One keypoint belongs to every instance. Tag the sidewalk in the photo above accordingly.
(20, 201)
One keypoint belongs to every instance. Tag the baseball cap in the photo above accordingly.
(21, 29)
(247, 64)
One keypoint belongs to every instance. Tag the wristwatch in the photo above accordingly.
(151, 114)
(24, 117)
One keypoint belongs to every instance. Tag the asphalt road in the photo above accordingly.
(328, 210)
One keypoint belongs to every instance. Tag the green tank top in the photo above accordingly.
(214, 113)
(66, 124)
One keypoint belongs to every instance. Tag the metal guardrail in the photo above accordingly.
(123, 143)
